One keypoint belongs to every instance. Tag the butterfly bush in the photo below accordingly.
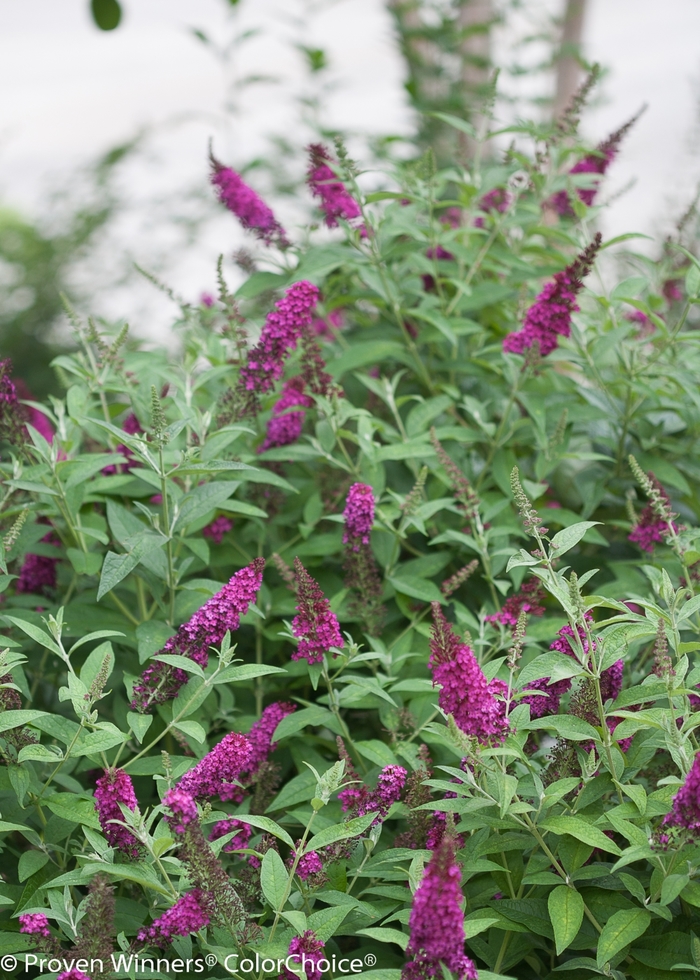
(369, 644)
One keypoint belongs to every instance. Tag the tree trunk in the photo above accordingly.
(475, 19)
(568, 66)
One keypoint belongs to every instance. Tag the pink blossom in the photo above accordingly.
(465, 692)
(214, 774)
(182, 807)
(237, 843)
(285, 427)
(309, 864)
(249, 208)
(113, 788)
(390, 784)
(335, 201)
(685, 810)
(260, 735)
(437, 921)
(358, 515)
(315, 624)
(527, 600)
(72, 974)
(307, 951)
(280, 334)
(187, 915)
(207, 627)
(550, 316)
(326, 328)
(34, 924)
(217, 529)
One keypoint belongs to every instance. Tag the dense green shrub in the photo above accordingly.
(517, 599)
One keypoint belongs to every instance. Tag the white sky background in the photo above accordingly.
(69, 92)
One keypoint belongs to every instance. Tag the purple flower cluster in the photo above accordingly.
(437, 921)
(548, 702)
(182, 807)
(527, 600)
(34, 924)
(113, 788)
(315, 624)
(335, 201)
(186, 915)
(73, 974)
(217, 529)
(593, 163)
(214, 774)
(207, 627)
(326, 328)
(358, 515)
(38, 572)
(685, 810)
(237, 843)
(549, 318)
(260, 736)
(390, 784)
(465, 692)
(499, 199)
(285, 427)
(308, 950)
(280, 334)
(249, 208)
(651, 529)
(309, 864)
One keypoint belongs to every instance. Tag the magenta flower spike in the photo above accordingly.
(34, 924)
(285, 427)
(306, 951)
(651, 529)
(250, 209)
(214, 774)
(437, 921)
(315, 624)
(113, 788)
(335, 202)
(465, 692)
(282, 331)
(207, 627)
(549, 318)
(358, 515)
(187, 915)
(260, 735)
(685, 810)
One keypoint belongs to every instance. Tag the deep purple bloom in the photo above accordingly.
(685, 810)
(237, 843)
(390, 783)
(651, 529)
(207, 627)
(217, 529)
(186, 915)
(285, 427)
(73, 974)
(550, 315)
(645, 325)
(326, 328)
(335, 201)
(38, 572)
(113, 788)
(260, 735)
(307, 950)
(315, 624)
(499, 199)
(527, 600)
(358, 515)
(206, 299)
(465, 692)
(182, 807)
(309, 864)
(611, 681)
(34, 924)
(672, 290)
(546, 703)
(214, 774)
(280, 334)
(249, 208)
(437, 921)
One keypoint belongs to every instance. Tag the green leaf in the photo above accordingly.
(94, 662)
(107, 14)
(325, 922)
(385, 936)
(353, 828)
(566, 911)
(568, 726)
(93, 743)
(193, 729)
(39, 635)
(115, 568)
(621, 929)
(201, 500)
(417, 588)
(15, 719)
(377, 752)
(578, 828)
(84, 562)
(370, 352)
(139, 724)
(68, 806)
(569, 537)
(29, 862)
(274, 879)
(266, 824)
(295, 722)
